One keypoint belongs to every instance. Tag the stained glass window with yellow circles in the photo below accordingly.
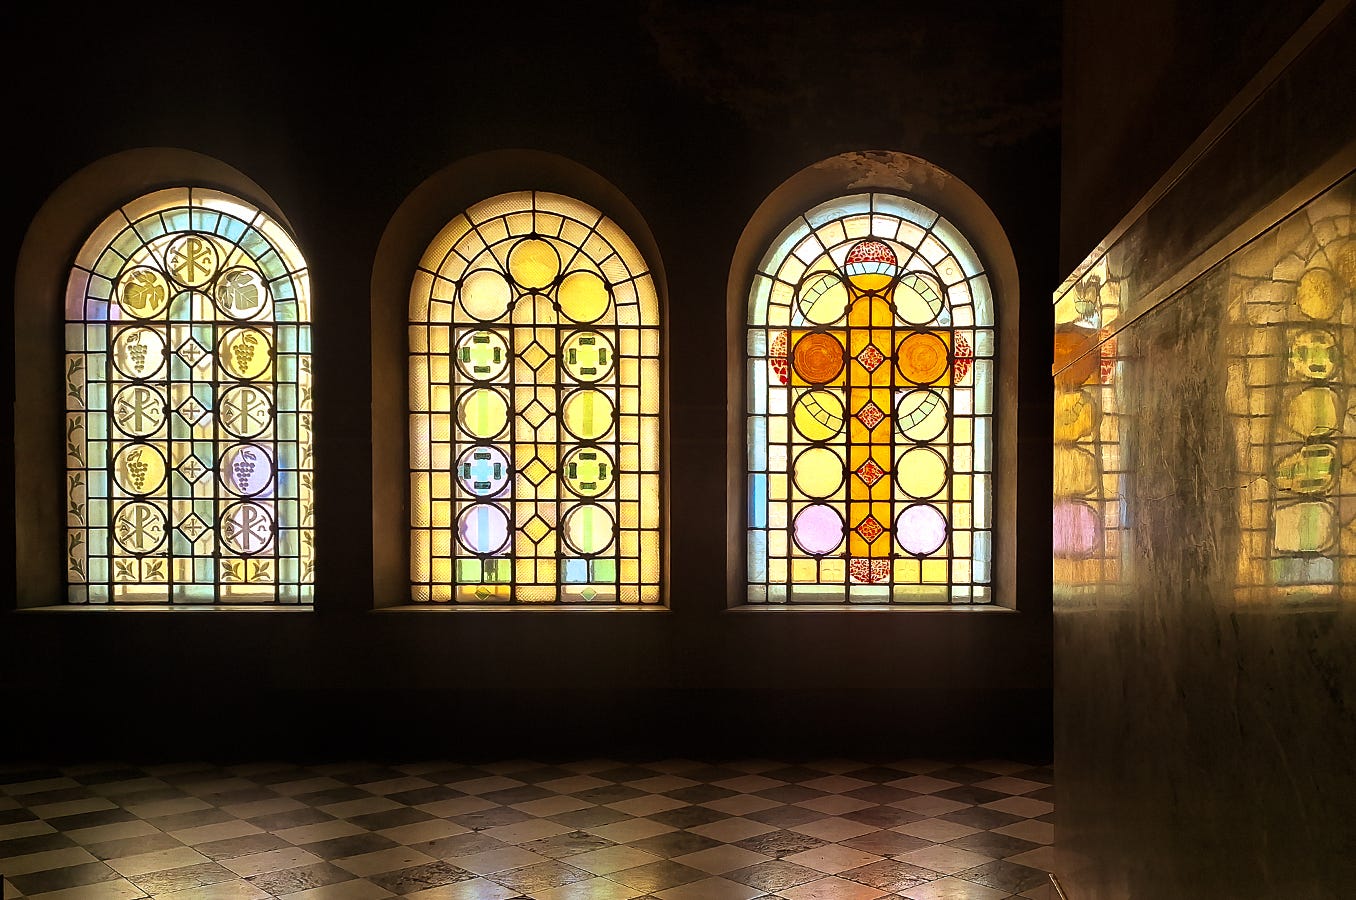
(188, 407)
(534, 388)
(870, 379)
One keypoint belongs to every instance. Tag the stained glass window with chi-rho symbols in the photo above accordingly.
(534, 409)
(870, 422)
(188, 407)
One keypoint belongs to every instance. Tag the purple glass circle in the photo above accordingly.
(483, 528)
(921, 529)
(818, 529)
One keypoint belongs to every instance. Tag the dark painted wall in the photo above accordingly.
(695, 111)
(1205, 700)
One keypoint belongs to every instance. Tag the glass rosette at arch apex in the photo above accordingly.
(188, 379)
(534, 409)
(870, 381)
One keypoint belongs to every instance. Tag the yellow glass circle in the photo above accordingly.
(818, 415)
(1319, 295)
(588, 414)
(1313, 412)
(482, 412)
(823, 298)
(485, 294)
(922, 357)
(588, 471)
(921, 472)
(1076, 414)
(245, 353)
(143, 293)
(533, 263)
(818, 472)
(139, 468)
(583, 296)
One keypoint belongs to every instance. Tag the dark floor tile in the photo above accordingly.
(674, 843)
(390, 818)
(590, 818)
(1045, 794)
(104, 776)
(979, 817)
(304, 878)
(451, 774)
(459, 845)
(56, 795)
(970, 794)
(797, 774)
(993, 844)
(791, 793)
(490, 818)
(91, 819)
(881, 794)
(21, 775)
(780, 843)
(292, 818)
(559, 846)
(150, 795)
(180, 821)
(658, 876)
(708, 773)
(65, 877)
(420, 796)
(700, 793)
(878, 774)
(368, 775)
(774, 875)
(540, 773)
(1005, 876)
(282, 776)
(332, 795)
(142, 843)
(890, 875)
(882, 816)
(350, 845)
(419, 878)
(183, 878)
(230, 848)
(612, 793)
(886, 843)
(541, 877)
(688, 816)
(521, 794)
(243, 795)
(784, 816)
(1043, 774)
(10, 816)
(34, 843)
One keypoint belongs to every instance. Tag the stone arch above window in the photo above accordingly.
(184, 408)
(534, 436)
(874, 405)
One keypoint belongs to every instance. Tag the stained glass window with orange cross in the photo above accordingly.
(870, 422)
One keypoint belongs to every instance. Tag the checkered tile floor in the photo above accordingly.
(582, 830)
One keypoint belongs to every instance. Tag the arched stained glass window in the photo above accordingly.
(871, 353)
(534, 387)
(188, 397)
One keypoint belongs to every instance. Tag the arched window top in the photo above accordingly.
(877, 395)
(188, 428)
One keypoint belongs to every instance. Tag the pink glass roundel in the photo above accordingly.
(818, 529)
(483, 528)
(921, 529)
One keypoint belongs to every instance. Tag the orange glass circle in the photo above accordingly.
(818, 357)
(923, 358)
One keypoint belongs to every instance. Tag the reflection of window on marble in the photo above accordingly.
(870, 424)
(1089, 481)
(188, 398)
(534, 409)
(1293, 333)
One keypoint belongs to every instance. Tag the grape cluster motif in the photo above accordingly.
(243, 351)
(137, 350)
(137, 469)
(243, 468)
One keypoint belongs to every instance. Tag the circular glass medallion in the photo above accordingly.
(143, 293)
(483, 471)
(241, 293)
(922, 357)
(1319, 294)
(485, 294)
(587, 414)
(138, 410)
(823, 298)
(588, 528)
(246, 528)
(192, 259)
(817, 357)
(139, 468)
(588, 471)
(921, 529)
(921, 472)
(482, 528)
(139, 527)
(246, 469)
(138, 352)
(245, 353)
(1315, 354)
(918, 299)
(482, 355)
(920, 415)
(587, 356)
(584, 296)
(482, 412)
(533, 263)
(818, 414)
(818, 529)
(818, 472)
(245, 411)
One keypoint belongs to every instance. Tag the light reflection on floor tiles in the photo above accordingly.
(599, 829)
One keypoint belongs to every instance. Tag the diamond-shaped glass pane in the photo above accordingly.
(870, 529)
(870, 415)
(869, 472)
(536, 529)
(535, 354)
(536, 471)
(870, 357)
